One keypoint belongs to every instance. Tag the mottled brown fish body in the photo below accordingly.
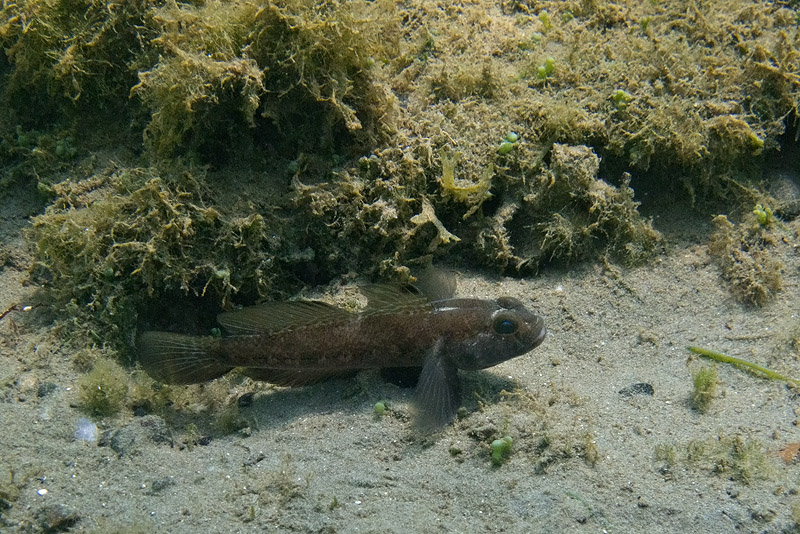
(297, 343)
(363, 343)
(366, 341)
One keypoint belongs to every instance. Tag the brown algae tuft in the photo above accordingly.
(745, 253)
(734, 457)
(731, 457)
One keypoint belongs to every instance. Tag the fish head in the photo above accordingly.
(507, 329)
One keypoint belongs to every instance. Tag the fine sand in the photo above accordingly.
(586, 457)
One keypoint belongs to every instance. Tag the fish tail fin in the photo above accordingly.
(438, 394)
(180, 359)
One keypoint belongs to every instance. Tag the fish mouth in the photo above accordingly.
(540, 337)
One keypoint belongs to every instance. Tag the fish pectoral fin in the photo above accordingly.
(438, 395)
(180, 359)
(292, 377)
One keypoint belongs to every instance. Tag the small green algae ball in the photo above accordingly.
(541, 72)
(505, 147)
(293, 166)
(763, 214)
(508, 143)
(501, 448)
(544, 17)
(621, 99)
(380, 408)
(544, 71)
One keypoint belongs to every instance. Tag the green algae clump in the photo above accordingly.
(102, 391)
(705, 387)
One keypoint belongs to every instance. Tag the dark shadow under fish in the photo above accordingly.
(298, 343)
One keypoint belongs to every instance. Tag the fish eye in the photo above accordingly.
(505, 326)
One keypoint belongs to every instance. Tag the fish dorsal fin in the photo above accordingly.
(435, 284)
(276, 316)
(387, 298)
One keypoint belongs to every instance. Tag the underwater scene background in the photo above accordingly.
(628, 170)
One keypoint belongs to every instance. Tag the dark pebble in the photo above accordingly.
(245, 400)
(160, 484)
(482, 433)
(142, 408)
(640, 388)
(254, 459)
(46, 389)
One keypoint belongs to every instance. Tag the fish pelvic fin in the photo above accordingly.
(438, 394)
(180, 359)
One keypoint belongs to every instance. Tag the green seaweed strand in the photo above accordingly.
(744, 365)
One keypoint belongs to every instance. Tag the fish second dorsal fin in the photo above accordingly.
(431, 285)
(276, 316)
(387, 298)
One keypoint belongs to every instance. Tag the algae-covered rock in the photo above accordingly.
(567, 213)
(113, 243)
(133, 242)
(295, 71)
(70, 56)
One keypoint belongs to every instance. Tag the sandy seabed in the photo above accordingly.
(588, 455)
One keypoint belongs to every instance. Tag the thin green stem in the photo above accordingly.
(744, 365)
